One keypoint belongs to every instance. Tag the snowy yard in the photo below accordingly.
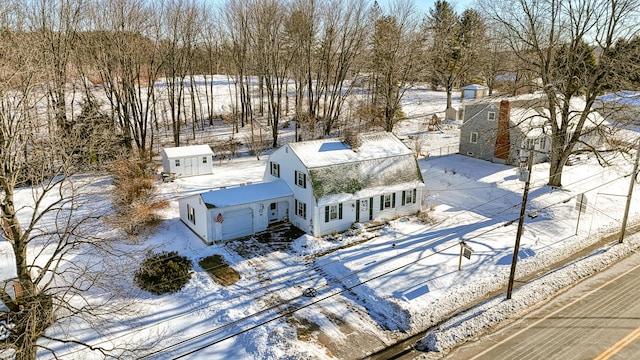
(372, 287)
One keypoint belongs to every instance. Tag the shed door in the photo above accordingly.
(237, 223)
(188, 167)
(468, 94)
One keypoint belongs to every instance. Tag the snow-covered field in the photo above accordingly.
(374, 287)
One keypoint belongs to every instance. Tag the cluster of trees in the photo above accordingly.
(327, 64)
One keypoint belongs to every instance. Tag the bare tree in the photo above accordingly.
(123, 51)
(342, 40)
(272, 58)
(395, 63)
(570, 46)
(48, 216)
(300, 33)
(236, 26)
(57, 23)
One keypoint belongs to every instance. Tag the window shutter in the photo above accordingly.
(326, 214)
(340, 211)
(304, 178)
(414, 196)
(304, 205)
(370, 208)
(295, 177)
(403, 194)
(381, 202)
(393, 200)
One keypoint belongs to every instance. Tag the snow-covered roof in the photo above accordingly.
(182, 151)
(625, 97)
(475, 87)
(380, 159)
(333, 152)
(245, 194)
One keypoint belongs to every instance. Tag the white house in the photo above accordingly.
(230, 213)
(320, 186)
(188, 160)
(336, 184)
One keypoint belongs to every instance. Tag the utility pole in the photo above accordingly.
(634, 173)
(523, 209)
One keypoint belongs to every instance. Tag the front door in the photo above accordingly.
(273, 212)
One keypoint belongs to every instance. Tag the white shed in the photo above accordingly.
(231, 213)
(188, 160)
(474, 91)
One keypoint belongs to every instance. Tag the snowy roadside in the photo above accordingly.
(498, 312)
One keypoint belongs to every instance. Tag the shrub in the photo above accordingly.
(165, 272)
(135, 196)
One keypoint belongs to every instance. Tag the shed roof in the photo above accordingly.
(246, 194)
(624, 97)
(333, 152)
(475, 87)
(185, 151)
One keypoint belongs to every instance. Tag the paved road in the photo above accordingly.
(597, 319)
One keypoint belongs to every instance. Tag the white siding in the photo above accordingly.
(199, 223)
(289, 165)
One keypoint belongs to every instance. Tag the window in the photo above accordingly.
(204, 159)
(275, 169)
(491, 116)
(333, 212)
(409, 197)
(387, 201)
(177, 162)
(301, 209)
(300, 179)
(191, 214)
(543, 143)
(474, 138)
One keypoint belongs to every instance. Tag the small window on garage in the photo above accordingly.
(191, 214)
(177, 162)
(204, 159)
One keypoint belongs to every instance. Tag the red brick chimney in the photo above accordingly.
(501, 150)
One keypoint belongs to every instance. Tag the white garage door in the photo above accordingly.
(237, 223)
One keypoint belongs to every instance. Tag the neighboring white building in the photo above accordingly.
(474, 91)
(320, 186)
(188, 160)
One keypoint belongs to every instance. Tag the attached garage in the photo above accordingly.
(235, 223)
(236, 212)
(188, 160)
